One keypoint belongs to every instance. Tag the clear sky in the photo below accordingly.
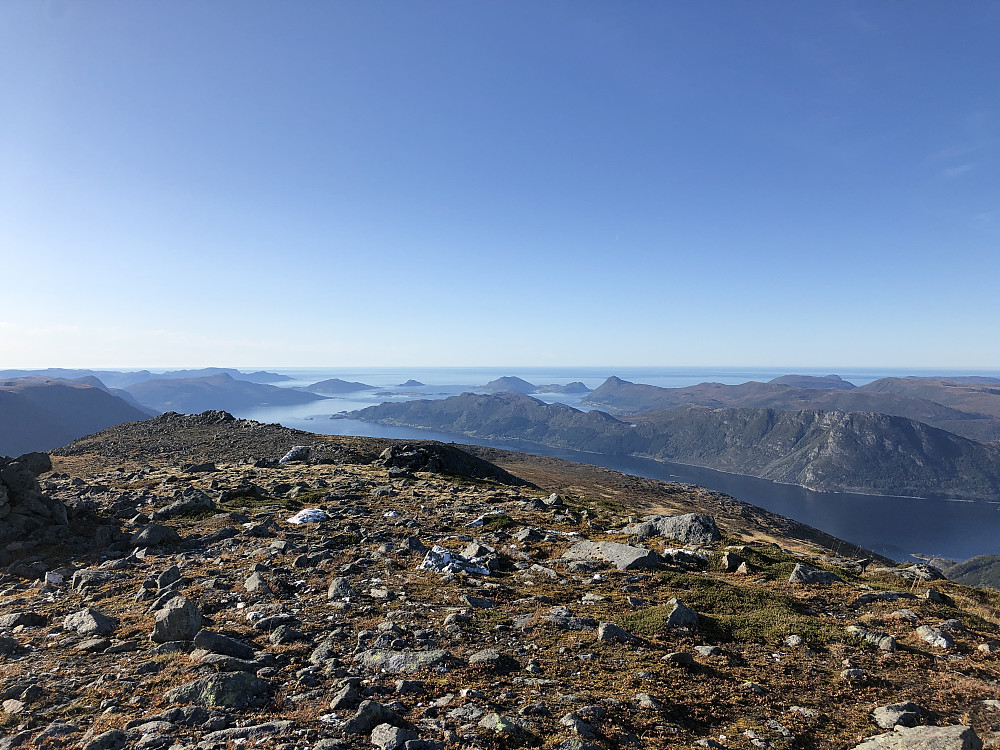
(326, 183)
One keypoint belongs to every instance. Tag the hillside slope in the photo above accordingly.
(38, 414)
(572, 629)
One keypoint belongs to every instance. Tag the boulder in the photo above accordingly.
(153, 535)
(690, 528)
(222, 644)
(681, 616)
(956, 737)
(396, 662)
(902, 714)
(177, 620)
(803, 574)
(230, 690)
(607, 631)
(90, 622)
(388, 737)
(621, 556)
(935, 637)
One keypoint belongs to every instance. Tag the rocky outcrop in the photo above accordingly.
(24, 508)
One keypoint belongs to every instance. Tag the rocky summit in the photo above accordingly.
(200, 582)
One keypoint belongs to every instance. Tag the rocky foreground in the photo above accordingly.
(216, 583)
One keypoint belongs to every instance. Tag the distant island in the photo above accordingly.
(512, 384)
(335, 386)
(411, 384)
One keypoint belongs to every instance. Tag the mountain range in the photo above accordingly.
(867, 452)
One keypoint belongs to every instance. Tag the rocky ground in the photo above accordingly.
(441, 601)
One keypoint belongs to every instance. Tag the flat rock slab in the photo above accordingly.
(232, 690)
(622, 556)
(90, 622)
(690, 528)
(955, 737)
(396, 662)
(804, 574)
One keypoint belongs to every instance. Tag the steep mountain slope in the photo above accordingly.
(38, 414)
(624, 398)
(220, 391)
(854, 452)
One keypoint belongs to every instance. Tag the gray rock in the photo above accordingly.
(680, 658)
(368, 716)
(882, 641)
(681, 616)
(91, 577)
(90, 622)
(492, 660)
(348, 697)
(805, 574)
(230, 690)
(255, 732)
(14, 740)
(388, 737)
(904, 714)
(397, 662)
(21, 619)
(340, 588)
(256, 584)
(935, 636)
(622, 556)
(610, 632)
(153, 535)
(222, 644)
(178, 620)
(112, 740)
(690, 528)
(955, 737)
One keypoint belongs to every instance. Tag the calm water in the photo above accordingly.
(895, 527)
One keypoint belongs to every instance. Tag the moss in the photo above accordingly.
(498, 521)
(729, 613)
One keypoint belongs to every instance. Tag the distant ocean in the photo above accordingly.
(895, 527)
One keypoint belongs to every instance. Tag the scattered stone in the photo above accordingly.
(690, 528)
(179, 619)
(955, 737)
(803, 574)
(621, 556)
(90, 622)
(935, 636)
(882, 641)
(902, 714)
(681, 616)
(230, 690)
(395, 662)
(607, 631)
(388, 737)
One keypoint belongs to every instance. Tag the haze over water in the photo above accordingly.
(893, 526)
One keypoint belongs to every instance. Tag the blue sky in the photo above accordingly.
(499, 183)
